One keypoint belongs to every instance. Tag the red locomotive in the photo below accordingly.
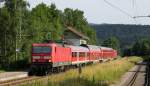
(48, 57)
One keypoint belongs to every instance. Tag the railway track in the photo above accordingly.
(134, 80)
(17, 82)
(20, 81)
(29, 79)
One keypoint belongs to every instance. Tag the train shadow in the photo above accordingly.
(81, 82)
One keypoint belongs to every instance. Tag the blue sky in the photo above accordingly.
(97, 11)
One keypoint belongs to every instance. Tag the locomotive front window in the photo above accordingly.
(41, 49)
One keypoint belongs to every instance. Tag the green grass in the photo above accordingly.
(102, 74)
(1, 71)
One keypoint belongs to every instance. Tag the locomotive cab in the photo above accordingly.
(47, 57)
(41, 59)
(41, 53)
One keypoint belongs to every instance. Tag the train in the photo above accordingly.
(50, 57)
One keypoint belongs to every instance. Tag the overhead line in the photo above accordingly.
(124, 12)
(141, 16)
(138, 16)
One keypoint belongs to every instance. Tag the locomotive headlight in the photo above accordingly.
(36, 57)
(46, 57)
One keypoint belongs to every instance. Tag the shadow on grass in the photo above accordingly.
(79, 82)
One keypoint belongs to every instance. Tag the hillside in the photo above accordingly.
(127, 34)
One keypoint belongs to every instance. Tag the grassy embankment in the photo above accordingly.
(1, 71)
(102, 74)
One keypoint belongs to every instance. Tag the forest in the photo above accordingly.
(21, 26)
(128, 39)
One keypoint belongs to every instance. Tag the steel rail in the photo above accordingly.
(132, 81)
(19, 81)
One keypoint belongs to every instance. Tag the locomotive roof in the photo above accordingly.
(93, 48)
(78, 48)
(105, 48)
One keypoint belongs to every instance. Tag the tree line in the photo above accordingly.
(139, 48)
(20, 27)
(126, 34)
(132, 39)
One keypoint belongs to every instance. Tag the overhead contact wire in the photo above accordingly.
(124, 12)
